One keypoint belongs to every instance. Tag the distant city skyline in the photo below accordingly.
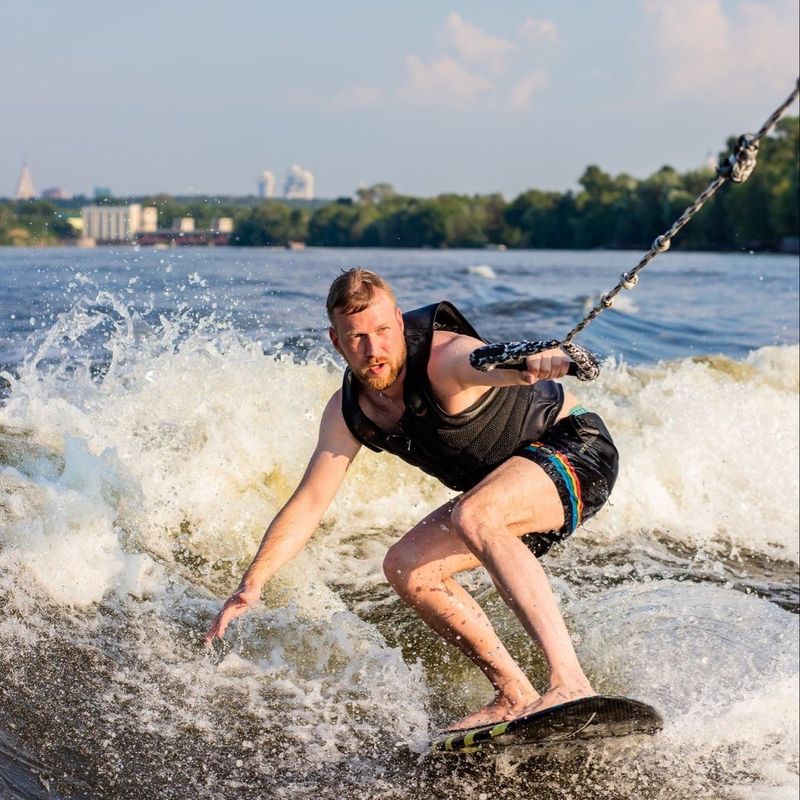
(298, 185)
(431, 98)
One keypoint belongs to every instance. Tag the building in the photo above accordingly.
(25, 188)
(149, 222)
(266, 185)
(222, 225)
(117, 223)
(183, 224)
(299, 184)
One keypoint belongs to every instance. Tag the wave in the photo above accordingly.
(131, 501)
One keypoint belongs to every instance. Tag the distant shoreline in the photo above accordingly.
(615, 212)
(791, 247)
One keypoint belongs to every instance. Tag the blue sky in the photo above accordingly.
(200, 97)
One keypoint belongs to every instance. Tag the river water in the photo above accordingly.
(158, 407)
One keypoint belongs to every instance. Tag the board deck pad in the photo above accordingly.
(587, 718)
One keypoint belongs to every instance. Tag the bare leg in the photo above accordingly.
(420, 568)
(483, 527)
(489, 519)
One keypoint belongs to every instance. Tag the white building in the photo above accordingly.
(266, 185)
(183, 224)
(222, 225)
(299, 184)
(117, 223)
(149, 223)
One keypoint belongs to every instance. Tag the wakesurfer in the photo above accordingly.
(530, 464)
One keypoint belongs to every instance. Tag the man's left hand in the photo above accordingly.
(547, 365)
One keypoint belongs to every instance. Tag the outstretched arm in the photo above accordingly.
(298, 519)
(451, 372)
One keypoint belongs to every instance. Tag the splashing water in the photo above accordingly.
(136, 478)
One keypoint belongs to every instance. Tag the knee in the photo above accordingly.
(407, 574)
(475, 524)
(398, 568)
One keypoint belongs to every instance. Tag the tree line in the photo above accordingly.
(607, 211)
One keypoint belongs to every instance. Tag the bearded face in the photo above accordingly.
(381, 373)
(372, 342)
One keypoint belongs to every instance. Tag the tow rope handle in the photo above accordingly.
(512, 355)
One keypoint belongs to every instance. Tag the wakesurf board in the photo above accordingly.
(587, 718)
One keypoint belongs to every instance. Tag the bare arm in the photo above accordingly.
(451, 373)
(295, 523)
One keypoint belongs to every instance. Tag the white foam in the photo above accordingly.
(62, 532)
(625, 305)
(482, 270)
(708, 451)
(208, 438)
(139, 488)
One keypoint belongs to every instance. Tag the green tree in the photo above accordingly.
(269, 224)
(600, 203)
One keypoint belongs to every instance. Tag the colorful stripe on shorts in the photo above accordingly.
(560, 464)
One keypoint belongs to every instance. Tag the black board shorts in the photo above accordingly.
(579, 456)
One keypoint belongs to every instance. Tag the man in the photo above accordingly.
(531, 463)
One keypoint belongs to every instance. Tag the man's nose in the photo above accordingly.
(373, 345)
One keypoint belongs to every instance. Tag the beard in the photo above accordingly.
(380, 382)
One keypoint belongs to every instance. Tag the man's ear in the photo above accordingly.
(334, 339)
(399, 317)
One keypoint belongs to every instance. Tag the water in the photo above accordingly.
(158, 408)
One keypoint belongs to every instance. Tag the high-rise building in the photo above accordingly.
(25, 188)
(266, 185)
(299, 184)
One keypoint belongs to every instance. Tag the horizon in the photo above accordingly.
(431, 98)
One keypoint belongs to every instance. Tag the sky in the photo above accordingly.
(198, 97)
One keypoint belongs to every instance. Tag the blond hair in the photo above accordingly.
(354, 290)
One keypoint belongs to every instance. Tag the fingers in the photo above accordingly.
(217, 629)
(234, 607)
(547, 365)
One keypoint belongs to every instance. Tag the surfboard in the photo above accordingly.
(587, 718)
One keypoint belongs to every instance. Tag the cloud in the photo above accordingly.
(703, 50)
(442, 81)
(359, 96)
(539, 30)
(526, 88)
(475, 46)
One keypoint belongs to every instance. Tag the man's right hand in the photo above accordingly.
(235, 606)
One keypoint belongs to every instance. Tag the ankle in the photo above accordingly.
(572, 682)
(513, 689)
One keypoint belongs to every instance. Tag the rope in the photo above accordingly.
(737, 168)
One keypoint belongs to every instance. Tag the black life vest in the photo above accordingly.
(462, 449)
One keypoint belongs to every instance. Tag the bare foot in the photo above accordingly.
(498, 710)
(556, 696)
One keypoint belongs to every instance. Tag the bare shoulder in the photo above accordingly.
(448, 366)
(336, 448)
(448, 347)
(333, 408)
(334, 435)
